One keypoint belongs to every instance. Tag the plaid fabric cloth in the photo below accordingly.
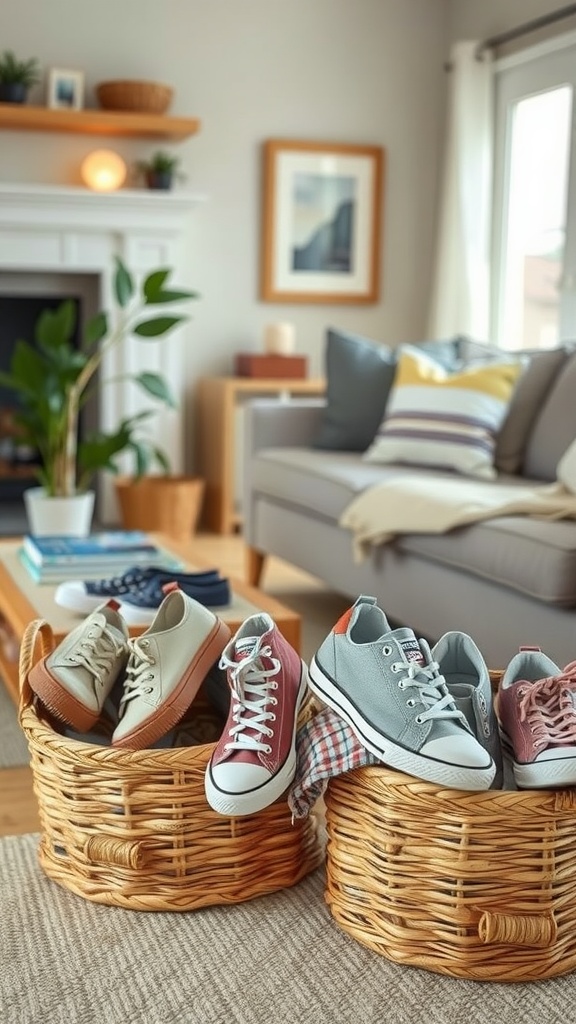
(326, 746)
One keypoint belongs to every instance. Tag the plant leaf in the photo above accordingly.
(55, 327)
(96, 329)
(153, 284)
(157, 326)
(123, 284)
(157, 386)
(165, 295)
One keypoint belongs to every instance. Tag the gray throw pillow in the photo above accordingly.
(555, 427)
(359, 375)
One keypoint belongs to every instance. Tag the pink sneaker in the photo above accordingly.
(537, 713)
(255, 759)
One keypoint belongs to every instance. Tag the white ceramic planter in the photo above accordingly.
(65, 517)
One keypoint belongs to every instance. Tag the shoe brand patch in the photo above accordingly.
(411, 649)
(246, 646)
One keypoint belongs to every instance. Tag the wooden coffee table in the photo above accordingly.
(21, 600)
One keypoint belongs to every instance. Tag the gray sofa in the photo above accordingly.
(508, 581)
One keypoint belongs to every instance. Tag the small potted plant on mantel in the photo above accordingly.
(17, 77)
(53, 379)
(159, 171)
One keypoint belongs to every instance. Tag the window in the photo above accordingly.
(534, 237)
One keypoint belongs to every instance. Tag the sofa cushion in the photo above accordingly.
(359, 375)
(566, 468)
(555, 428)
(540, 370)
(450, 421)
(534, 556)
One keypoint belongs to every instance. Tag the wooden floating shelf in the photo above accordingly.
(20, 117)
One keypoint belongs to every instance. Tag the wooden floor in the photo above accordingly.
(18, 812)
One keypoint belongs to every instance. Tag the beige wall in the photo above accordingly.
(478, 19)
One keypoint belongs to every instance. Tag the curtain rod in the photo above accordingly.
(528, 26)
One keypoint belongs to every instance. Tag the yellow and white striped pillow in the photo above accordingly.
(445, 420)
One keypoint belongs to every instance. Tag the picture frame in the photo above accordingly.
(65, 89)
(321, 222)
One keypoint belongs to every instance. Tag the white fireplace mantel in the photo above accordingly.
(58, 230)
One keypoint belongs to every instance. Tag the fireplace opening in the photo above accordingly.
(18, 317)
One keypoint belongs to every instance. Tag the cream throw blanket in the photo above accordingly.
(421, 504)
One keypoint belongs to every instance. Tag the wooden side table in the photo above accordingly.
(217, 399)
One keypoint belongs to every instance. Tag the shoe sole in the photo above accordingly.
(235, 805)
(557, 772)
(63, 704)
(454, 776)
(169, 713)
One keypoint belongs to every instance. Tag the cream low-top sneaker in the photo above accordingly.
(165, 668)
(76, 678)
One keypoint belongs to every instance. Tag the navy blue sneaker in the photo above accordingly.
(140, 608)
(83, 596)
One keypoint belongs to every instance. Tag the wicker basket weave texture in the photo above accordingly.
(133, 829)
(472, 885)
(140, 96)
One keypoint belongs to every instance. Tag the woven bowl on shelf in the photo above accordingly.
(472, 885)
(142, 97)
(133, 829)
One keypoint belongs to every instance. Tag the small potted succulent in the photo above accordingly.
(159, 171)
(17, 77)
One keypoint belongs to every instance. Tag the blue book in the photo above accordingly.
(54, 574)
(112, 547)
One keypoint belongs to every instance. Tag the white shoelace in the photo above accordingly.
(250, 677)
(137, 673)
(97, 651)
(428, 681)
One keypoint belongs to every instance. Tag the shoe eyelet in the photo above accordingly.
(267, 749)
(386, 650)
(148, 689)
(396, 667)
(272, 717)
(400, 684)
(273, 701)
(418, 720)
(410, 703)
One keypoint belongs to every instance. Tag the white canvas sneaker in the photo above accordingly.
(76, 678)
(166, 667)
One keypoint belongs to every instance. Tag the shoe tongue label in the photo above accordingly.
(246, 645)
(411, 650)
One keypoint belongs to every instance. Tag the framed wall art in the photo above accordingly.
(65, 89)
(321, 224)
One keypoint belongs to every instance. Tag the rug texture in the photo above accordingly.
(278, 958)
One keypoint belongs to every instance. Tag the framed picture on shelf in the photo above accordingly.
(321, 224)
(65, 89)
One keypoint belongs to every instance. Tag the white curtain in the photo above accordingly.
(461, 272)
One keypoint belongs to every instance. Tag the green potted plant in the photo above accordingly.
(159, 170)
(53, 378)
(17, 77)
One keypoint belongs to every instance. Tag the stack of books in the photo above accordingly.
(54, 559)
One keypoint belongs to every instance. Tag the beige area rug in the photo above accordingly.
(279, 958)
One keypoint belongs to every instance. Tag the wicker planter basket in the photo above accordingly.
(133, 829)
(473, 885)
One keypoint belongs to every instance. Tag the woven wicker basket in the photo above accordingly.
(133, 829)
(141, 97)
(473, 885)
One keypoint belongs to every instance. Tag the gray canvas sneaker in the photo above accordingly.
(166, 667)
(468, 681)
(76, 678)
(387, 686)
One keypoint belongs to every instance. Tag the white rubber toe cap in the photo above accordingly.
(72, 595)
(461, 750)
(238, 777)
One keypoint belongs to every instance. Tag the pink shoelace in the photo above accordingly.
(549, 707)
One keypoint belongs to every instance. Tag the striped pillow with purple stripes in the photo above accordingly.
(445, 420)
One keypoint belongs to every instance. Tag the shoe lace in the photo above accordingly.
(250, 683)
(431, 686)
(97, 651)
(137, 670)
(548, 706)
